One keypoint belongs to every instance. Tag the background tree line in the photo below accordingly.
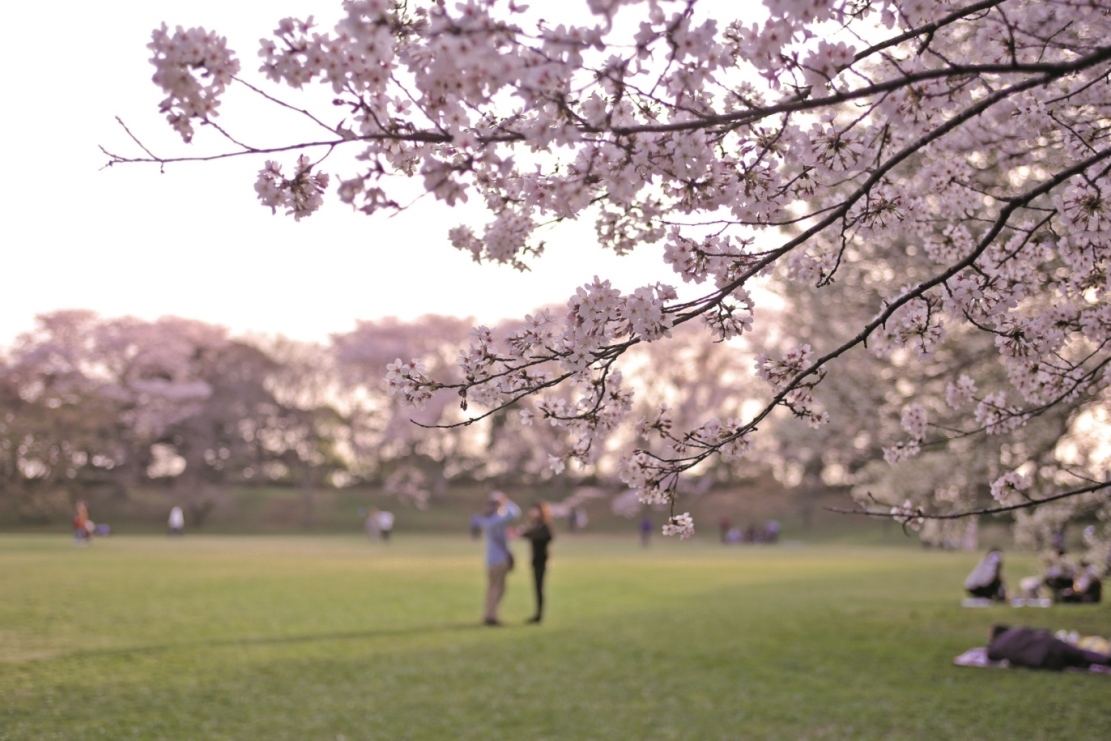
(111, 406)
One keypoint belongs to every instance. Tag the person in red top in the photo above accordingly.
(82, 528)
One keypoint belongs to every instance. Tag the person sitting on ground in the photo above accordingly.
(1059, 573)
(1031, 589)
(1039, 649)
(1086, 587)
(986, 580)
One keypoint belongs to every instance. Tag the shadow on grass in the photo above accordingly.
(354, 635)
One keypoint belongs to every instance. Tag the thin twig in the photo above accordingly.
(920, 514)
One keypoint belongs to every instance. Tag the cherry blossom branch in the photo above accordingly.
(927, 29)
(893, 306)
(277, 101)
(686, 462)
(1049, 70)
(895, 512)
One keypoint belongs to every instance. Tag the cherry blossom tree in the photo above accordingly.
(309, 436)
(813, 142)
(56, 428)
(949, 473)
(151, 370)
(687, 374)
(91, 405)
(413, 452)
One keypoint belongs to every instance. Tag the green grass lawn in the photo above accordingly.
(331, 637)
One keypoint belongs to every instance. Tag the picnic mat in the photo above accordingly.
(1016, 602)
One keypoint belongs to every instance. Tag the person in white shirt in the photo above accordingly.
(385, 524)
(177, 521)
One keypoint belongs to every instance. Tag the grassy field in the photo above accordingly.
(269, 637)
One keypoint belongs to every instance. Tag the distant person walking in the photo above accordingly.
(385, 525)
(497, 515)
(176, 523)
(539, 534)
(645, 531)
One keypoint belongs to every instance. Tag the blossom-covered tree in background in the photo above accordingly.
(888, 392)
(414, 452)
(55, 428)
(93, 404)
(180, 410)
(943, 165)
(309, 437)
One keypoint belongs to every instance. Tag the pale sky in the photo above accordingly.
(194, 242)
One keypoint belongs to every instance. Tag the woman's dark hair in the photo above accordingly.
(545, 510)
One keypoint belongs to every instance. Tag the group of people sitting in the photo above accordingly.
(1062, 582)
(766, 533)
(1068, 583)
(1036, 648)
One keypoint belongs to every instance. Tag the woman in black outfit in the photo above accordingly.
(539, 533)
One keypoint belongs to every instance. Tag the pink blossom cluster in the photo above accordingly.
(193, 67)
(408, 381)
(299, 195)
(681, 525)
(1008, 486)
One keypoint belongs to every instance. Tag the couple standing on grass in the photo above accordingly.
(494, 521)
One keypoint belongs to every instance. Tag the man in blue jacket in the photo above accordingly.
(495, 519)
